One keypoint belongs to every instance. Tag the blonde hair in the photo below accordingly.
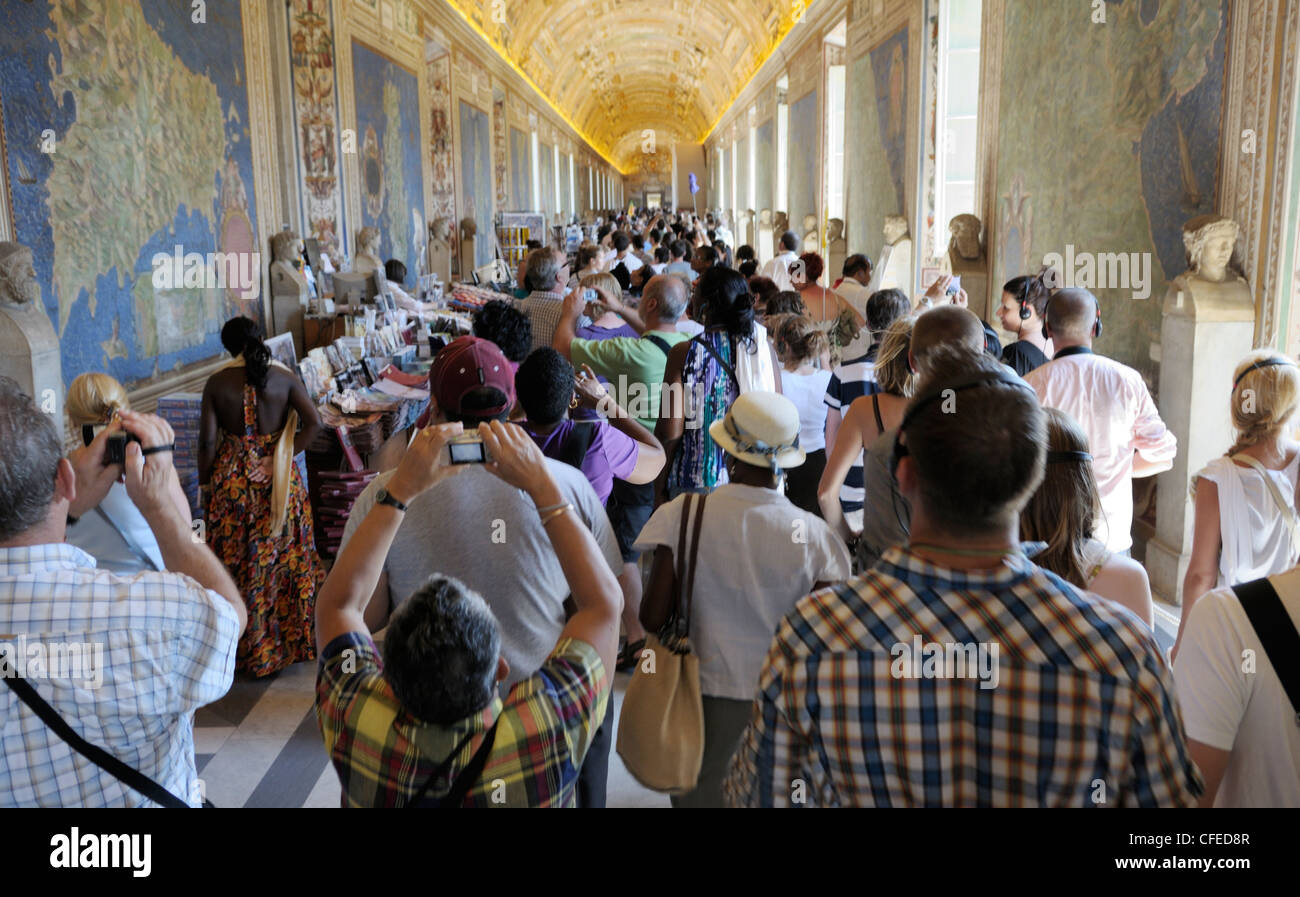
(606, 281)
(893, 371)
(94, 399)
(798, 339)
(1265, 393)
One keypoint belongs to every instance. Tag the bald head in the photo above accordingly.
(668, 294)
(1071, 314)
(946, 325)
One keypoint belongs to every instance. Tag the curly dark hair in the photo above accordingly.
(506, 326)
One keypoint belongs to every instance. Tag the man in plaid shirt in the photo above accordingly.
(956, 672)
(167, 638)
(424, 725)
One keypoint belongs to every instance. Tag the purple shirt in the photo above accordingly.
(593, 332)
(612, 453)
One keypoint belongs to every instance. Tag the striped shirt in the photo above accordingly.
(1077, 707)
(384, 755)
(152, 648)
(545, 310)
(851, 380)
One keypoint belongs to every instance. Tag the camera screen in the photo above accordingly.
(467, 453)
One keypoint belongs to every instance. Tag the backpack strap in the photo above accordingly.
(127, 775)
(576, 445)
(468, 776)
(714, 352)
(1276, 633)
(660, 342)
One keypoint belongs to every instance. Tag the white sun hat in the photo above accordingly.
(762, 429)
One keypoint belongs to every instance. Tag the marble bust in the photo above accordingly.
(836, 248)
(764, 240)
(18, 286)
(29, 348)
(1209, 289)
(894, 267)
(440, 248)
(780, 222)
(811, 239)
(468, 256)
(966, 259)
(286, 274)
(367, 251)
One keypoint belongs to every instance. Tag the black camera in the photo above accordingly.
(115, 450)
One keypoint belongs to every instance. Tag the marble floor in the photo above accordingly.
(259, 746)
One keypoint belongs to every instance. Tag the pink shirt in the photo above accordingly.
(1111, 402)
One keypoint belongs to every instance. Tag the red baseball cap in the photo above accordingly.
(468, 363)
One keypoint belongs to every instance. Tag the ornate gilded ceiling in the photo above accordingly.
(618, 69)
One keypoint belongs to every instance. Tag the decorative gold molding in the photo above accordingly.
(1259, 87)
(261, 103)
(992, 30)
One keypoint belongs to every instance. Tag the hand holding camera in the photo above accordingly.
(590, 392)
(517, 460)
(151, 480)
(425, 463)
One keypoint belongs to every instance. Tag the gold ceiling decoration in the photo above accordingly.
(632, 77)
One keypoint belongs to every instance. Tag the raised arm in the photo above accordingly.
(1207, 543)
(517, 460)
(650, 453)
(672, 415)
(567, 328)
(342, 599)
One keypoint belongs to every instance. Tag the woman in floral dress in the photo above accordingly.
(258, 513)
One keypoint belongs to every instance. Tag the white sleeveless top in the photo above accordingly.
(1256, 538)
(754, 369)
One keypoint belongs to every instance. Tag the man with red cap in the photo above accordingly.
(476, 528)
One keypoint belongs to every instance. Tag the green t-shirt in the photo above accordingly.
(633, 367)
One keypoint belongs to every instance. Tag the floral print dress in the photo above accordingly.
(278, 576)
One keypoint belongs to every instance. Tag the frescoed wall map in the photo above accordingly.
(388, 139)
(126, 137)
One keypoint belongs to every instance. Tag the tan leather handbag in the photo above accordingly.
(661, 727)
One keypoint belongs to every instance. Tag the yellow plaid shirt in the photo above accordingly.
(384, 755)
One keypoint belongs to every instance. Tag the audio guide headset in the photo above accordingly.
(1264, 363)
(1096, 327)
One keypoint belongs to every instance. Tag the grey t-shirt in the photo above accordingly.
(478, 529)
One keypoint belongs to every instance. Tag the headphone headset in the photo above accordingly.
(1006, 377)
(1266, 363)
(1096, 326)
(1025, 311)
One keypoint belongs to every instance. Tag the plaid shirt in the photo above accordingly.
(1083, 711)
(168, 648)
(384, 755)
(544, 310)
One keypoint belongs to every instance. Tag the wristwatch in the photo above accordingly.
(383, 497)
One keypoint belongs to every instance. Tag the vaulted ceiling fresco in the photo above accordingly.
(618, 69)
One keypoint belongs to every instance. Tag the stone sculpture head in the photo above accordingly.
(965, 230)
(895, 228)
(1210, 240)
(809, 223)
(780, 222)
(286, 246)
(834, 229)
(468, 227)
(18, 284)
(765, 216)
(368, 241)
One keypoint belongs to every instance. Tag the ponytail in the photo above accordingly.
(243, 336)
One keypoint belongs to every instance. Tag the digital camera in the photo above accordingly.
(467, 448)
(115, 449)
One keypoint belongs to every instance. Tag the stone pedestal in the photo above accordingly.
(29, 353)
(1200, 345)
